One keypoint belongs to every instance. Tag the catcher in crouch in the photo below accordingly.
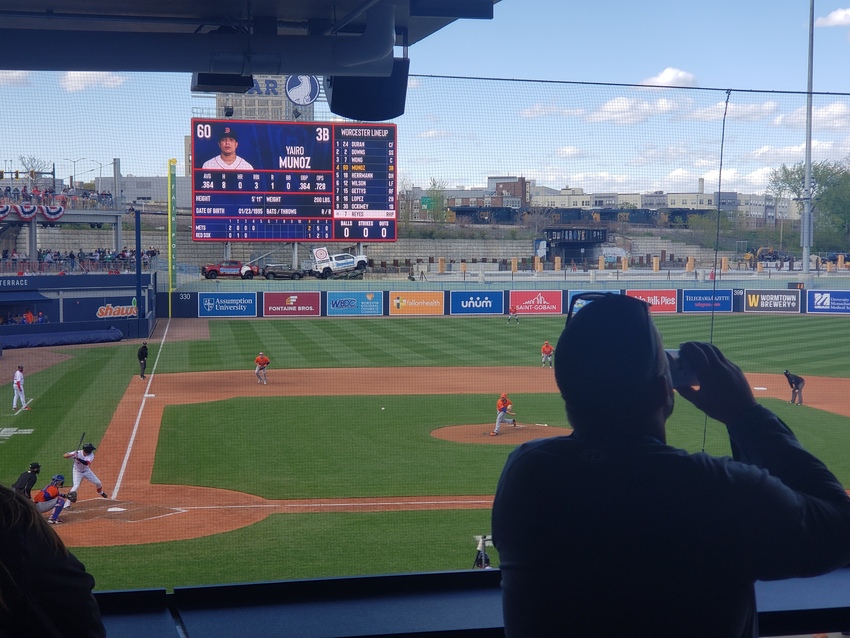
(504, 407)
(49, 498)
(82, 469)
(262, 362)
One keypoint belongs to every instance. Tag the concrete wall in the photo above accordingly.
(416, 250)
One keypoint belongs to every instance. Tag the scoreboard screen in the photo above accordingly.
(292, 182)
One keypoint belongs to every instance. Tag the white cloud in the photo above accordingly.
(736, 111)
(834, 116)
(792, 154)
(672, 76)
(568, 152)
(14, 78)
(434, 134)
(661, 155)
(74, 81)
(542, 110)
(623, 110)
(838, 18)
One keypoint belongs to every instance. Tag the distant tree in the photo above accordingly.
(537, 218)
(830, 197)
(437, 197)
(32, 163)
(405, 201)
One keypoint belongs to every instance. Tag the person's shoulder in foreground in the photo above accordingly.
(611, 528)
(46, 591)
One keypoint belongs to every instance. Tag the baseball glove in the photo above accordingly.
(72, 496)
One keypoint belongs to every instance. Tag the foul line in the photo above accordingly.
(139, 414)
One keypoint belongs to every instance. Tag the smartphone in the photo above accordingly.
(681, 373)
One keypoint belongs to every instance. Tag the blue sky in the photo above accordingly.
(629, 140)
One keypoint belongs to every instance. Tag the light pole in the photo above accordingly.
(74, 170)
(806, 225)
(101, 165)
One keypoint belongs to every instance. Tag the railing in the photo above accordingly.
(75, 202)
(22, 267)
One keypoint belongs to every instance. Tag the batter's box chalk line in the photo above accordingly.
(174, 510)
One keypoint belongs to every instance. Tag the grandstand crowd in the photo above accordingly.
(68, 197)
(56, 262)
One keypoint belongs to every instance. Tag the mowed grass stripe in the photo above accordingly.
(758, 343)
(422, 342)
(296, 546)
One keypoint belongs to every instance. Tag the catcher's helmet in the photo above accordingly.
(58, 479)
(89, 448)
(35, 467)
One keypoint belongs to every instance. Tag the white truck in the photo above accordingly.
(326, 265)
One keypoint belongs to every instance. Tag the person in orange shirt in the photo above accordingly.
(28, 316)
(262, 362)
(504, 407)
(546, 352)
(512, 314)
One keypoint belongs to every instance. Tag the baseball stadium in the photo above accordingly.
(366, 449)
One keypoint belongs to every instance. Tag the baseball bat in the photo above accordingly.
(80, 444)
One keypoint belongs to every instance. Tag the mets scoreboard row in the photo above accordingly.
(291, 182)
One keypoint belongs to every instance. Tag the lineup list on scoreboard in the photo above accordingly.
(305, 182)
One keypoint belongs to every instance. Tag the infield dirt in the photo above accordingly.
(147, 513)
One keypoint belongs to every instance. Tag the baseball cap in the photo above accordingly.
(228, 131)
(261, 353)
(504, 395)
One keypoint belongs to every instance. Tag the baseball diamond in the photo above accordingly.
(178, 512)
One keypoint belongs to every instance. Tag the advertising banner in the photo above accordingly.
(581, 303)
(828, 301)
(292, 304)
(227, 304)
(660, 300)
(772, 301)
(706, 300)
(408, 302)
(538, 302)
(477, 302)
(91, 308)
(360, 303)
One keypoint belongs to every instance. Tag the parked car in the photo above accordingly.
(833, 257)
(282, 271)
(230, 268)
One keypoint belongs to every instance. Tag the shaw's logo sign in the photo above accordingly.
(109, 311)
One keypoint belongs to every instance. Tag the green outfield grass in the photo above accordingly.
(311, 447)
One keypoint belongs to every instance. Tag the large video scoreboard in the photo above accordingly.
(293, 182)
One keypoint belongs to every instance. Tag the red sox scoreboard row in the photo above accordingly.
(294, 181)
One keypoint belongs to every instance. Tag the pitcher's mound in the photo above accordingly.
(509, 435)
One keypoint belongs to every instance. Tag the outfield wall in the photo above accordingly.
(77, 308)
(487, 302)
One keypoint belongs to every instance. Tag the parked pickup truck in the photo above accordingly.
(327, 266)
(230, 268)
(282, 271)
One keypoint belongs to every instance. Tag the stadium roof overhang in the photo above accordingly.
(277, 37)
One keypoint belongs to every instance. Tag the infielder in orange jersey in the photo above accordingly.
(262, 362)
(546, 353)
(504, 407)
(512, 314)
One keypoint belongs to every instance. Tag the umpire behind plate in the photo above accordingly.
(610, 529)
